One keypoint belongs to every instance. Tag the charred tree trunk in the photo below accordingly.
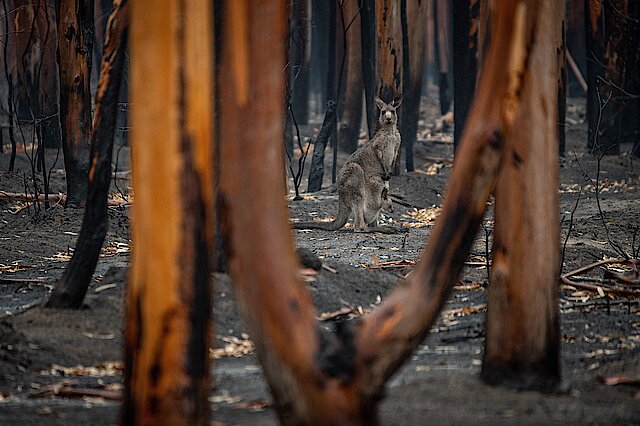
(351, 107)
(465, 63)
(441, 20)
(632, 116)
(316, 171)
(561, 49)
(168, 326)
(368, 43)
(317, 377)
(10, 88)
(522, 333)
(389, 57)
(300, 58)
(75, 45)
(414, 16)
(72, 287)
(607, 43)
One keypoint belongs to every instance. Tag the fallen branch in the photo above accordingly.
(590, 267)
(68, 391)
(22, 281)
(605, 288)
(58, 198)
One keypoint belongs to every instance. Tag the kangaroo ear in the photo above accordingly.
(397, 101)
(380, 103)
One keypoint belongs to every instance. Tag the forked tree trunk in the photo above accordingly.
(414, 15)
(75, 44)
(318, 377)
(389, 57)
(351, 108)
(465, 63)
(522, 340)
(607, 30)
(72, 287)
(168, 327)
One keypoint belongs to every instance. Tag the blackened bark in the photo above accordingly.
(75, 45)
(70, 291)
(368, 42)
(10, 99)
(300, 46)
(316, 172)
(465, 63)
(607, 35)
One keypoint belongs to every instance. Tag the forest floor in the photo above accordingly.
(65, 367)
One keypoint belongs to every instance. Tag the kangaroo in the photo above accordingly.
(363, 181)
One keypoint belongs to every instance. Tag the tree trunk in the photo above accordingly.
(9, 56)
(561, 49)
(168, 328)
(607, 37)
(389, 57)
(465, 63)
(72, 287)
(441, 20)
(351, 108)
(414, 15)
(300, 58)
(484, 29)
(368, 59)
(75, 44)
(316, 170)
(522, 332)
(318, 377)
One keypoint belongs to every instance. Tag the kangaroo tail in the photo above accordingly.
(334, 225)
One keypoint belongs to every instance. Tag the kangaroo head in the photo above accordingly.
(388, 114)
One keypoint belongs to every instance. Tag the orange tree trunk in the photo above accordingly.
(351, 108)
(72, 287)
(414, 16)
(75, 44)
(318, 377)
(522, 322)
(168, 314)
(389, 57)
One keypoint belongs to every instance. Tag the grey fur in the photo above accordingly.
(363, 181)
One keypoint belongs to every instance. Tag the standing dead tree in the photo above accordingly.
(414, 17)
(465, 63)
(442, 17)
(72, 287)
(10, 88)
(338, 378)
(388, 85)
(75, 45)
(168, 323)
(608, 35)
(522, 334)
(350, 107)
